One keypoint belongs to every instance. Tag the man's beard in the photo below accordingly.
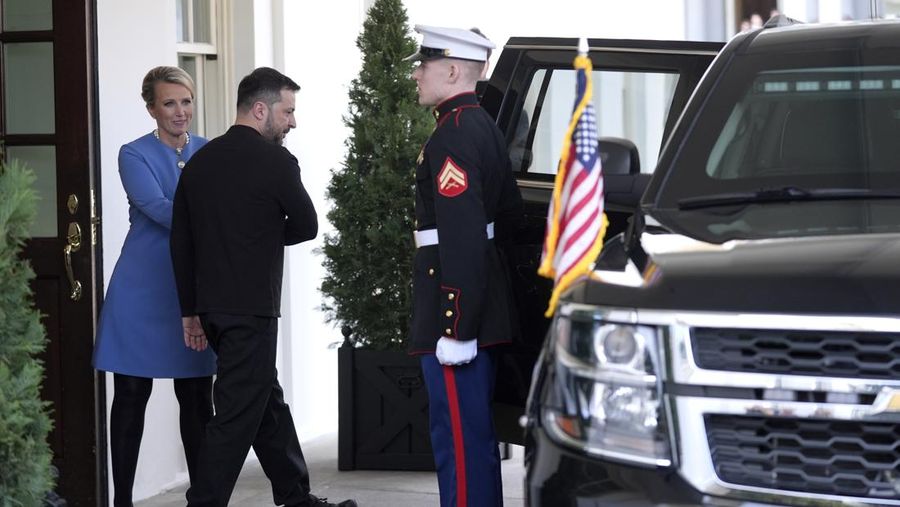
(271, 134)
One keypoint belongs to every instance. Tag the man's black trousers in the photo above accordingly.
(249, 410)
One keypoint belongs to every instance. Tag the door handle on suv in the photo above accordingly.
(73, 244)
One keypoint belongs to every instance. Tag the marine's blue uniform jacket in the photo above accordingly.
(463, 183)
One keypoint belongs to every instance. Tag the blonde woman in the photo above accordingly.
(139, 336)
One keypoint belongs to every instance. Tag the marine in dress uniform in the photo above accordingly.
(461, 298)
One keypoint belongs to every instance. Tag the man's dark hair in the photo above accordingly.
(263, 85)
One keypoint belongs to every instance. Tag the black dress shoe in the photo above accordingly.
(315, 501)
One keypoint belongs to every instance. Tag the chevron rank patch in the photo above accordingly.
(452, 180)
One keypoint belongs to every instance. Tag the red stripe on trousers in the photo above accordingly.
(458, 443)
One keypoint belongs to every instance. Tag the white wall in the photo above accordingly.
(322, 62)
(123, 27)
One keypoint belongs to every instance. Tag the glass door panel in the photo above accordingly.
(202, 31)
(42, 161)
(182, 32)
(22, 15)
(29, 92)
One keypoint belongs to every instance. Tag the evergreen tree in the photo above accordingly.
(369, 256)
(24, 421)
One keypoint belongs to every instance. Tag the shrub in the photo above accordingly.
(25, 475)
(368, 258)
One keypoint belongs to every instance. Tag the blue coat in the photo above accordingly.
(139, 332)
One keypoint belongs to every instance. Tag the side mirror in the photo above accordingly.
(619, 156)
(623, 182)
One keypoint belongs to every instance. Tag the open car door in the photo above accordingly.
(640, 88)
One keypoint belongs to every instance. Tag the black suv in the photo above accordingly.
(739, 340)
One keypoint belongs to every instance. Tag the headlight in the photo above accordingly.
(605, 395)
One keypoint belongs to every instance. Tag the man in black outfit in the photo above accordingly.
(239, 202)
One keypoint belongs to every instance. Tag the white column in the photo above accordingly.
(322, 62)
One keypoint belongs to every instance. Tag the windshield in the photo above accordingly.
(825, 122)
(801, 128)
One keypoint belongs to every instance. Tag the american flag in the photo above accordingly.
(575, 219)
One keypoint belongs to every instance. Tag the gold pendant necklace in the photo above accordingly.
(178, 151)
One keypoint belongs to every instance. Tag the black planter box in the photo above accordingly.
(382, 411)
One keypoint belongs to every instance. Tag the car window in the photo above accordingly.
(631, 105)
(811, 121)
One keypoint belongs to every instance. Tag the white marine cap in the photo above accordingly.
(441, 42)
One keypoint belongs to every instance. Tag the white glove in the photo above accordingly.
(452, 352)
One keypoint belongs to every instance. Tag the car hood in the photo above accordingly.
(852, 275)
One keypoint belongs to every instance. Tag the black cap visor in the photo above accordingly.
(426, 53)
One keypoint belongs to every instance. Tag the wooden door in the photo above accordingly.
(47, 121)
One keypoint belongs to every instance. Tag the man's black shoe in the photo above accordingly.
(315, 501)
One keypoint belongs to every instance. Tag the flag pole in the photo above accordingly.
(569, 252)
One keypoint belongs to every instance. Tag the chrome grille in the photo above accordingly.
(845, 458)
(798, 352)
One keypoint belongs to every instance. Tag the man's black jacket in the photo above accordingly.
(238, 203)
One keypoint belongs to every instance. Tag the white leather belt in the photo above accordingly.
(429, 237)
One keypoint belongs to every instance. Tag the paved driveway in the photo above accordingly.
(369, 488)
